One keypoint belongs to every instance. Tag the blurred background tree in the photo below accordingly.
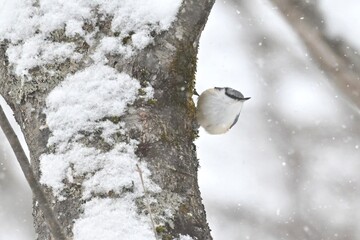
(289, 169)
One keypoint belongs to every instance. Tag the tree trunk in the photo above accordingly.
(163, 126)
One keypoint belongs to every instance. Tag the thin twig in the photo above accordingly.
(54, 226)
(147, 201)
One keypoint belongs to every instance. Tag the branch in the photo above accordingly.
(35, 186)
(334, 65)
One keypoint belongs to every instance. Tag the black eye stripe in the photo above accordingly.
(234, 94)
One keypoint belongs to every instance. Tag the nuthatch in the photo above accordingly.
(218, 109)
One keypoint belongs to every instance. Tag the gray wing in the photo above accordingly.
(235, 121)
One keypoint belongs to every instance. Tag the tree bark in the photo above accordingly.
(165, 127)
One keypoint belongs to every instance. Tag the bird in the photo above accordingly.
(218, 109)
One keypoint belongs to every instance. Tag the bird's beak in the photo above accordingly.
(196, 93)
(247, 98)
